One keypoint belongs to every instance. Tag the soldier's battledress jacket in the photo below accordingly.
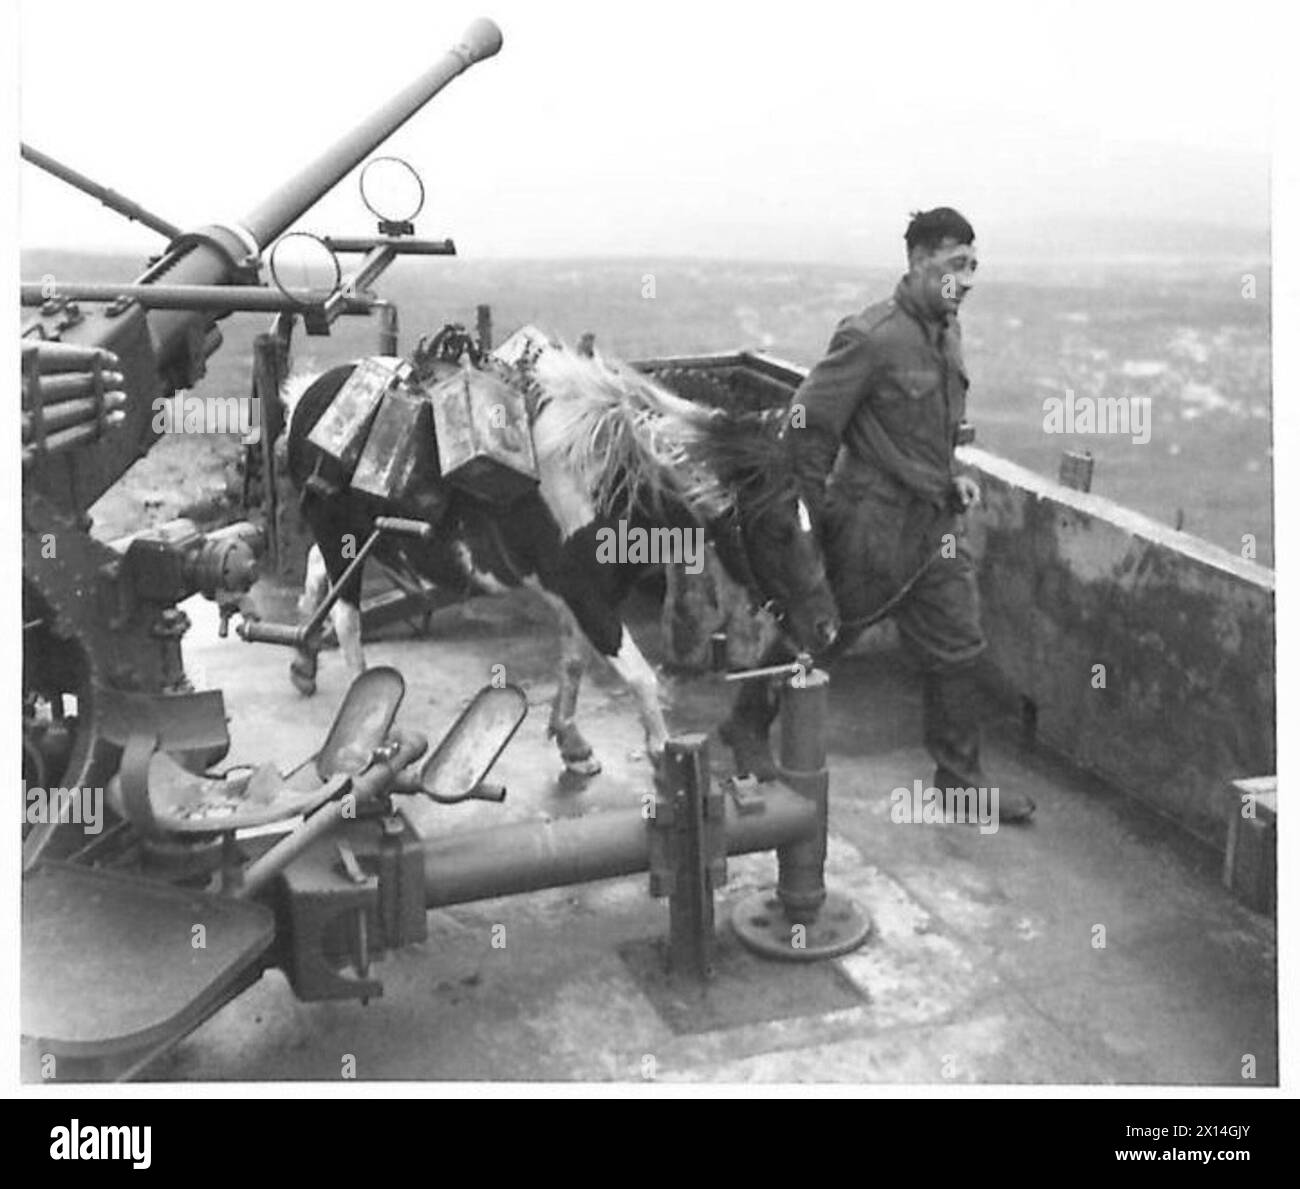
(874, 458)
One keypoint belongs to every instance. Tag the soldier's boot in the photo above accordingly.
(951, 710)
(748, 728)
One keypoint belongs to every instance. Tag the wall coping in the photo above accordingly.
(1124, 518)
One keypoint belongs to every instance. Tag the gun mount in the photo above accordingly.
(102, 631)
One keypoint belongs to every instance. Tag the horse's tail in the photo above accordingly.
(294, 386)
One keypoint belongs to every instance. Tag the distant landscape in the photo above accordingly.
(1178, 331)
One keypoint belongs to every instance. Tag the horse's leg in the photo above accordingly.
(302, 669)
(593, 600)
(639, 677)
(346, 618)
(575, 751)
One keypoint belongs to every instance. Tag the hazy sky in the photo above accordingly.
(789, 130)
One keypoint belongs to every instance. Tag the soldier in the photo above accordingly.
(872, 431)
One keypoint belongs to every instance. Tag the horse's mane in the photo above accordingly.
(749, 456)
(632, 444)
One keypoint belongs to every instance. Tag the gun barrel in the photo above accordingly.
(180, 339)
(277, 213)
(110, 198)
(204, 265)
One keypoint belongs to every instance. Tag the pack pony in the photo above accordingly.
(616, 453)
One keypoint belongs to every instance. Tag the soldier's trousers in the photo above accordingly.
(905, 560)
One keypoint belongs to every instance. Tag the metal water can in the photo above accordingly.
(399, 462)
(485, 444)
(343, 428)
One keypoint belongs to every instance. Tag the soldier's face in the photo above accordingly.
(942, 278)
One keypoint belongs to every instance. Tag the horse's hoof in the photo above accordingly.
(303, 681)
(583, 766)
(751, 751)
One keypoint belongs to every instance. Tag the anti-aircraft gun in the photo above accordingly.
(313, 869)
(102, 626)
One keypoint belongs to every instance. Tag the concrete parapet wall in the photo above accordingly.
(1184, 630)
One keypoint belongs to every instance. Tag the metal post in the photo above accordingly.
(688, 853)
(1076, 469)
(387, 328)
(803, 922)
(268, 374)
(801, 884)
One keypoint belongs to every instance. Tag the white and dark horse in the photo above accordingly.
(615, 451)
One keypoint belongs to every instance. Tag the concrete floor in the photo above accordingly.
(983, 966)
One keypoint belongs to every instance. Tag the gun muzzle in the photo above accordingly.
(278, 212)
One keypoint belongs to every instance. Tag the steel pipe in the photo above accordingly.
(110, 198)
(529, 856)
(72, 412)
(216, 298)
(57, 387)
(57, 357)
(70, 438)
(402, 247)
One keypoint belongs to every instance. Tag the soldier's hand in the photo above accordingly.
(965, 492)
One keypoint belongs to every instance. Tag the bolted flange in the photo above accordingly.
(762, 926)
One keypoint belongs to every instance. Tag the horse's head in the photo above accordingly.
(766, 540)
